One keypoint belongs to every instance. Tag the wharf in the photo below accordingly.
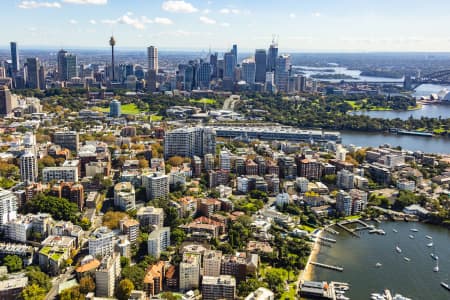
(335, 268)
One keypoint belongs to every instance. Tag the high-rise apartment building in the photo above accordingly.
(28, 167)
(124, 196)
(189, 142)
(7, 101)
(211, 263)
(189, 271)
(156, 186)
(33, 67)
(343, 203)
(67, 139)
(8, 206)
(152, 58)
(101, 242)
(221, 287)
(158, 241)
(150, 216)
(115, 108)
(66, 174)
(107, 275)
(260, 65)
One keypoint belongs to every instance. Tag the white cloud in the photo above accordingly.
(34, 4)
(207, 20)
(93, 2)
(227, 11)
(93, 22)
(163, 21)
(178, 6)
(292, 16)
(316, 14)
(136, 22)
(206, 11)
(225, 24)
(73, 22)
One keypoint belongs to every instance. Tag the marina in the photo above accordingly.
(372, 262)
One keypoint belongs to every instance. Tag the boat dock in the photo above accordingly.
(331, 230)
(322, 238)
(352, 232)
(335, 268)
(323, 289)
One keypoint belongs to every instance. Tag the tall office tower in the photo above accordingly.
(204, 75)
(270, 82)
(152, 58)
(234, 51)
(187, 71)
(33, 73)
(15, 58)
(8, 206)
(282, 72)
(42, 85)
(62, 65)
(189, 142)
(28, 168)
(151, 80)
(213, 61)
(6, 101)
(229, 65)
(112, 43)
(272, 56)
(71, 66)
(2, 71)
(114, 108)
(248, 71)
(261, 62)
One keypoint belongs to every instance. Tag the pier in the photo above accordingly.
(331, 230)
(322, 238)
(352, 232)
(335, 268)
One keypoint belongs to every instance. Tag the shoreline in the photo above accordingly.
(308, 271)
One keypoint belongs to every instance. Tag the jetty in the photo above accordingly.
(322, 238)
(331, 230)
(330, 267)
(352, 232)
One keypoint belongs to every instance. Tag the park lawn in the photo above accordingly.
(289, 295)
(203, 101)
(156, 118)
(350, 218)
(126, 109)
(439, 130)
(307, 228)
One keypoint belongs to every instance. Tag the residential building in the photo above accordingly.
(115, 108)
(7, 101)
(124, 196)
(28, 167)
(222, 287)
(66, 174)
(309, 168)
(8, 206)
(225, 160)
(153, 279)
(406, 185)
(54, 252)
(261, 294)
(189, 271)
(345, 179)
(67, 139)
(130, 228)
(343, 203)
(158, 241)
(152, 58)
(107, 276)
(11, 287)
(150, 216)
(359, 200)
(211, 263)
(156, 186)
(189, 142)
(101, 242)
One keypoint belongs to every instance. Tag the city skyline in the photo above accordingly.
(302, 26)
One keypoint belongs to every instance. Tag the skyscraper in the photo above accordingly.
(33, 67)
(152, 58)
(42, 85)
(204, 75)
(61, 65)
(248, 71)
(261, 62)
(213, 61)
(15, 58)
(229, 64)
(6, 101)
(114, 108)
(272, 57)
(234, 51)
(112, 43)
(282, 72)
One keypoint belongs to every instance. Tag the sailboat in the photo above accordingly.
(430, 244)
(398, 249)
(414, 229)
(436, 268)
(433, 255)
(395, 230)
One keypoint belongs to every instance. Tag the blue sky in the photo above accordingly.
(301, 25)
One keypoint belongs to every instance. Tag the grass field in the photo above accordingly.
(203, 101)
(307, 228)
(126, 109)
(350, 218)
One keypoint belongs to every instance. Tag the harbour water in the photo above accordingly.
(439, 145)
(414, 279)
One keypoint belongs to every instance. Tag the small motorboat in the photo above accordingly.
(378, 265)
(411, 236)
(407, 258)
(430, 244)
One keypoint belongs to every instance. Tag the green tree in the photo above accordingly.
(245, 287)
(275, 280)
(59, 208)
(135, 274)
(87, 285)
(72, 294)
(33, 292)
(124, 289)
(13, 262)
(177, 236)
(35, 276)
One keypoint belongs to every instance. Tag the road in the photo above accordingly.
(53, 293)
(230, 102)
